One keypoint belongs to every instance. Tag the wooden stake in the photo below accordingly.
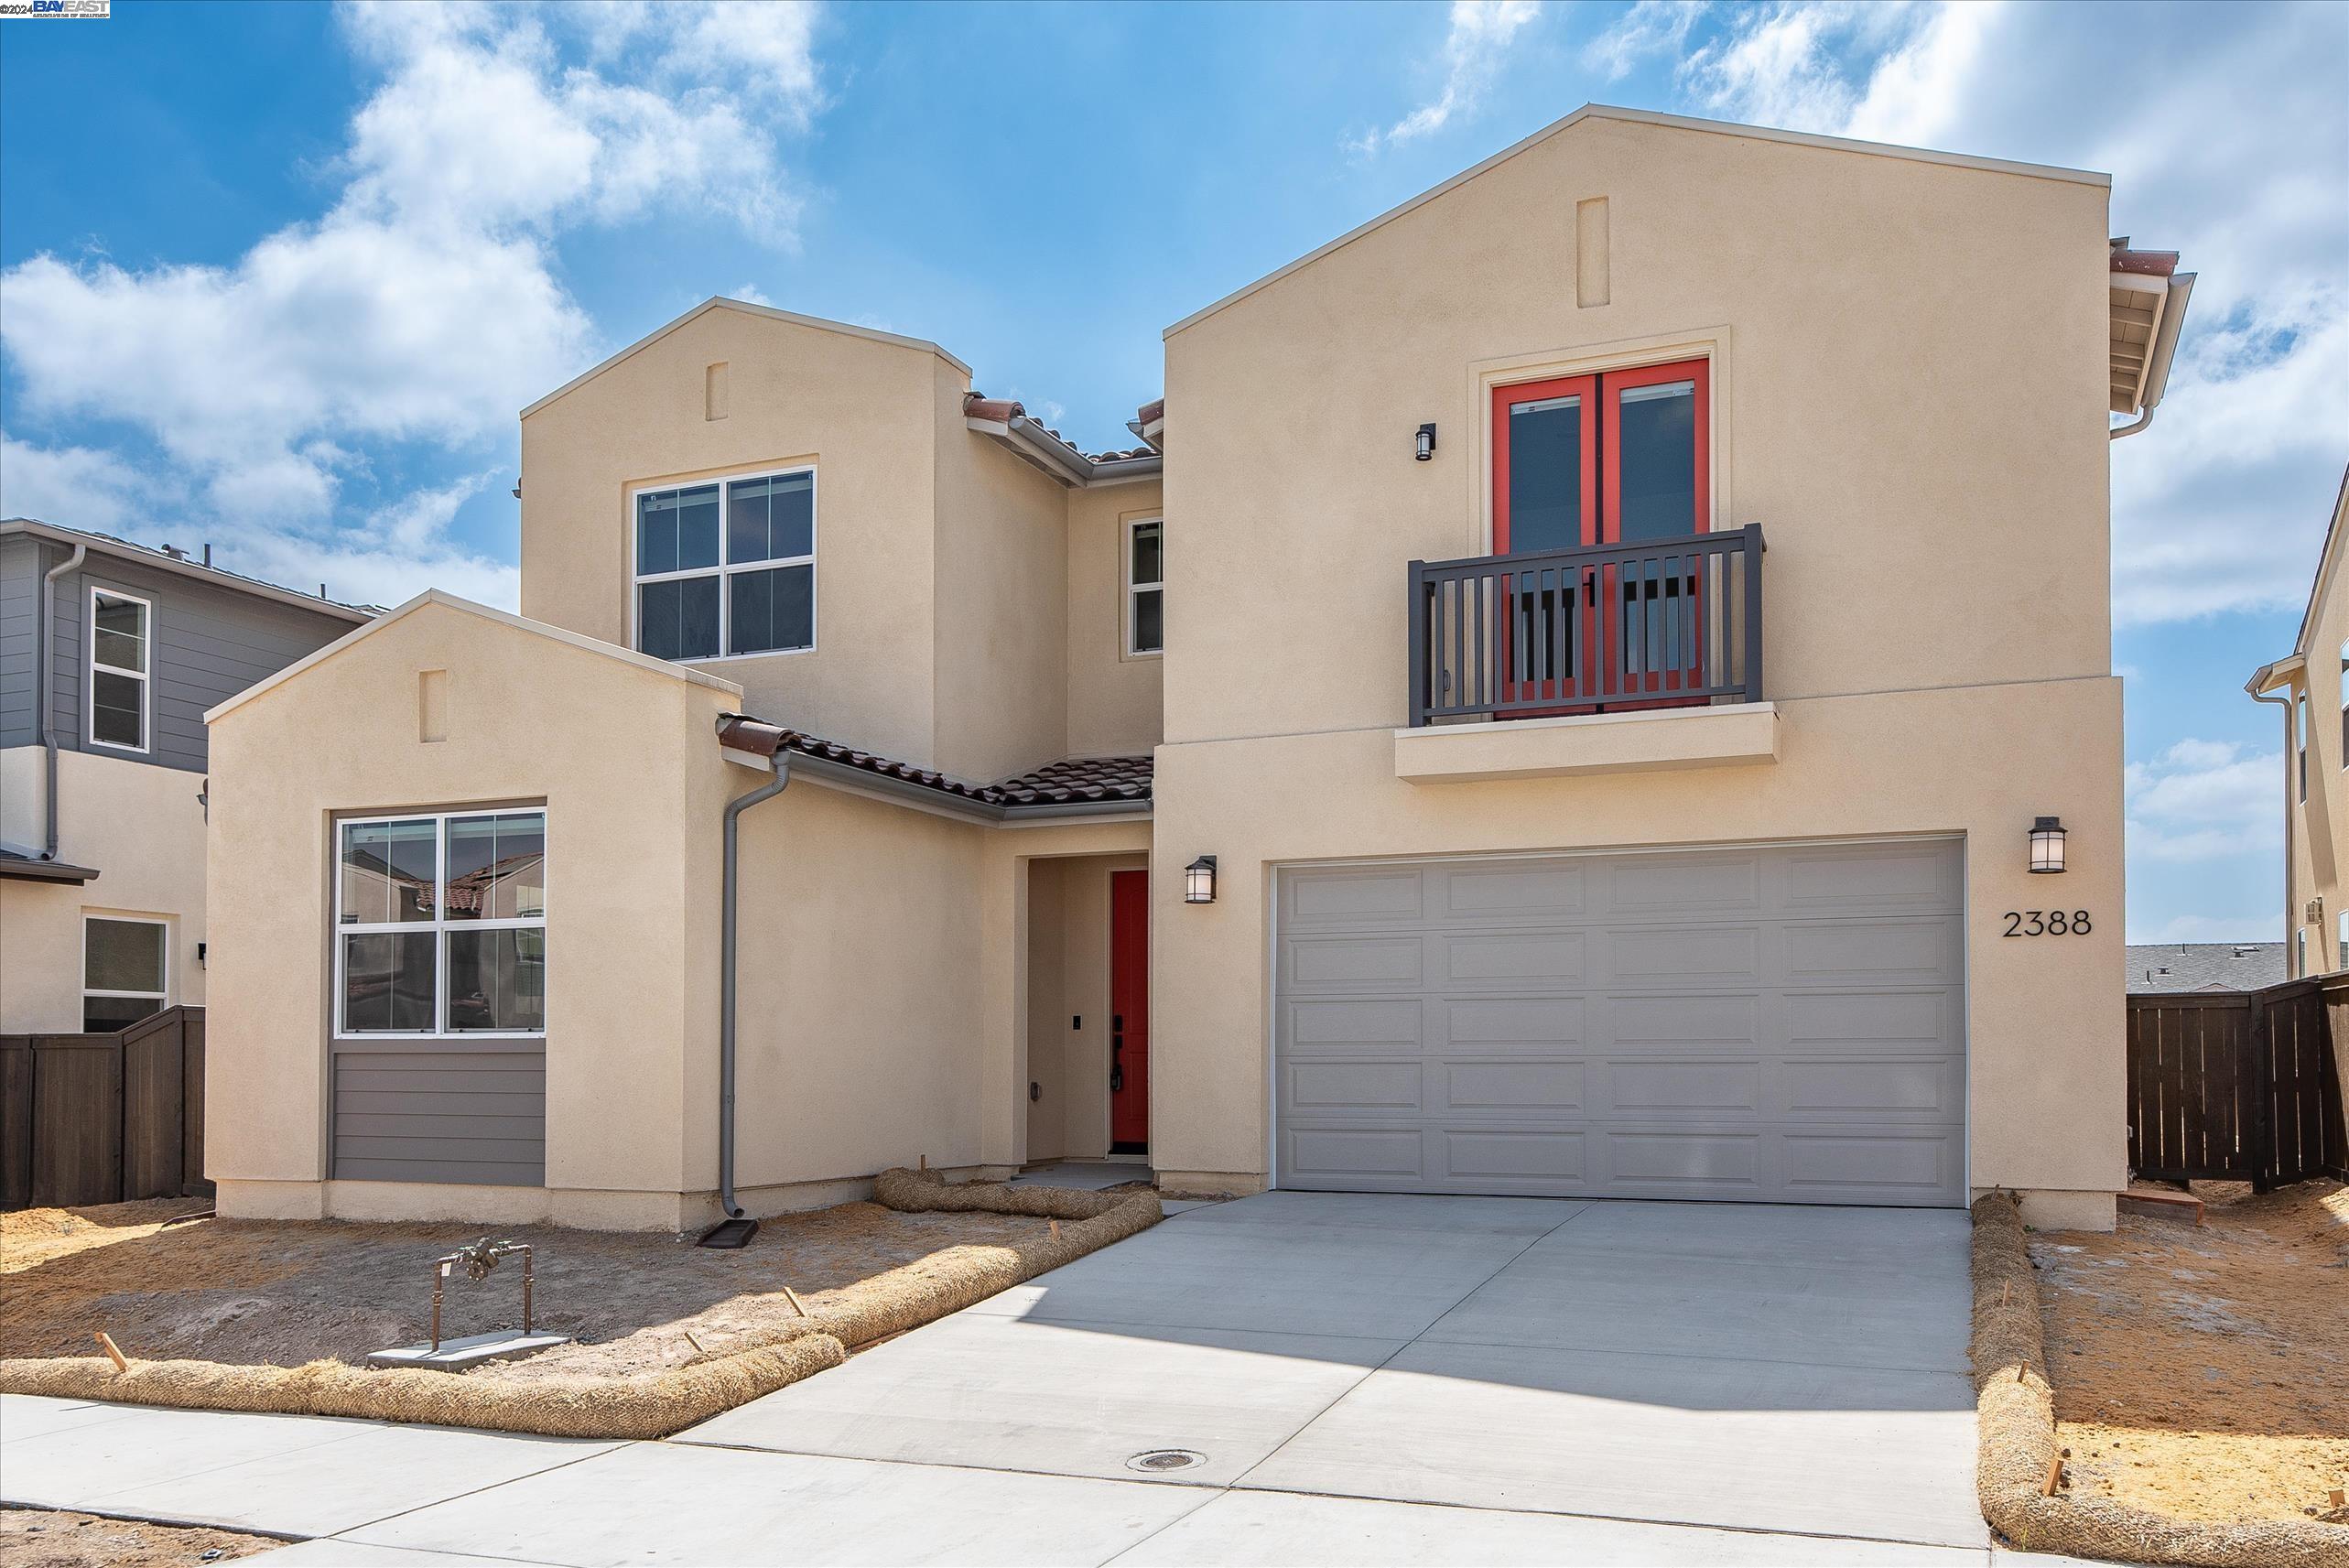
(106, 1343)
(2004, 1286)
(2054, 1477)
(689, 1339)
(2026, 1366)
(2339, 1497)
(925, 1161)
(796, 1305)
(1055, 1226)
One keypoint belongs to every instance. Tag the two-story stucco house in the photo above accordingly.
(103, 758)
(2311, 684)
(1597, 682)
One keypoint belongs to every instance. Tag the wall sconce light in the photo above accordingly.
(1199, 880)
(2047, 847)
(1426, 442)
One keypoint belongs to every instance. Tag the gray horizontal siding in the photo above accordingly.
(422, 1112)
(210, 643)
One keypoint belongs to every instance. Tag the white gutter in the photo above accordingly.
(44, 683)
(2165, 347)
(1038, 446)
(2263, 679)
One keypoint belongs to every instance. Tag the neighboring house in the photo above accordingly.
(2169, 968)
(103, 764)
(1370, 781)
(2311, 686)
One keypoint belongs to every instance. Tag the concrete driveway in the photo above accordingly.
(1343, 1379)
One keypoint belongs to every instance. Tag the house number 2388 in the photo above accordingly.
(2046, 923)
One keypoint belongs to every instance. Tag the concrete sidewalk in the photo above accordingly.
(1361, 1379)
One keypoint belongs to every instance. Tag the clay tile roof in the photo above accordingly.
(1150, 412)
(2152, 263)
(1070, 782)
(1001, 409)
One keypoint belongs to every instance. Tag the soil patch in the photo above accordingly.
(43, 1538)
(277, 1293)
(2203, 1372)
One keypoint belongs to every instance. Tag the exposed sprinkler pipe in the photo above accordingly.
(44, 683)
(764, 740)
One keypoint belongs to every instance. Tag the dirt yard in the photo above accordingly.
(2203, 1372)
(39, 1538)
(284, 1293)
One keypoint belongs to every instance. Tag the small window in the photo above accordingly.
(2341, 948)
(120, 647)
(126, 971)
(2299, 741)
(1146, 587)
(727, 568)
(2344, 715)
(441, 925)
(2300, 954)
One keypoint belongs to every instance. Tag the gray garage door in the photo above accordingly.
(1776, 1025)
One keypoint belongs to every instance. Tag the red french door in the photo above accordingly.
(1128, 1012)
(1622, 456)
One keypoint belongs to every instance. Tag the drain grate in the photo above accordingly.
(1157, 1461)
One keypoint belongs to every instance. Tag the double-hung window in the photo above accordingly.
(727, 567)
(121, 648)
(440, 924)
(1145, 586)
(125, 971)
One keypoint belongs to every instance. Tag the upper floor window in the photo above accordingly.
(126, 971)
(121, 645)
(1146, 587)
(727, 567)
(2299, 740)
(440, 924)
(2344, 711)
(1618, 457)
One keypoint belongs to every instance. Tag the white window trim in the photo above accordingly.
(1133, 588)
(439, 925)
(144, 677)
(161, 998)
(726, 569)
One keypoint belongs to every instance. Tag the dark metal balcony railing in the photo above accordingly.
(1660, 624)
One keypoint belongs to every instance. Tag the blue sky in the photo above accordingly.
(280, 275)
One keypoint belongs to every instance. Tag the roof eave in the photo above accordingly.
(98, 543)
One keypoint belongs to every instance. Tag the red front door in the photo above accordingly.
(1617, 457)
(1129, 1012)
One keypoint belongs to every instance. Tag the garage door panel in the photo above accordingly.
(1387, 962)
(1877, 1019)
(1506, 1086)
(1876, 878)
(1891, 952)
(1352, 1087)
(1550, 958)
(1924, 1086)
(1536, 889)
(1399, 1023)
(1712, 883)
(1527, 1022)
(1778, 1025)
(1697, 954)
(1510, 1153)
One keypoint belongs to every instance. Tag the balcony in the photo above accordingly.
(1606, 658)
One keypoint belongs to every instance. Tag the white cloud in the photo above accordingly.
(423, 307)
(1476, 44)
(75, 486)
(2221, 504)
(2205, 800)
(1649, 27)
(2214, 928)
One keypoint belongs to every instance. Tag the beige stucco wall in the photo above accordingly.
(143, 829)
(863, 412)
(1908, 388)
(1002, 587)
(1114, 700)
(2319, 824)
(626, 762)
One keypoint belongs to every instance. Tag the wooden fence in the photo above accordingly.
(2240, 1086)
(92, 1118)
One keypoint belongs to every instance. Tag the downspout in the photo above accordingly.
(2291, 768)
(44, 683)
(763, 741)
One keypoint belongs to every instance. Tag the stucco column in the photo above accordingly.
(1003, 1013)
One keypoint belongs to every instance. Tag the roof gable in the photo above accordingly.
(720, 303)
(433, 596)
(1649, 117)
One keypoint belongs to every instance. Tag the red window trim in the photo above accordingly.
(1602, 502)
(1583, 387)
